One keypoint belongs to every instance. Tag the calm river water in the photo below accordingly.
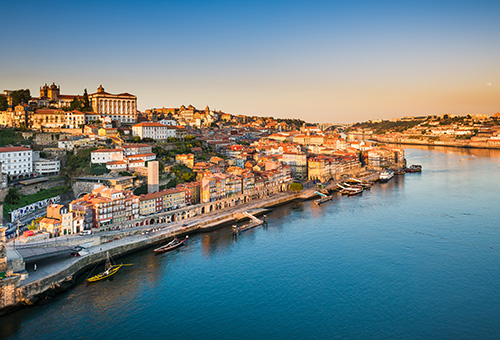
(415, 258)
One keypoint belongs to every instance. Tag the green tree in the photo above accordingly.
(189, 137)
(86, 101)
(4, 103)
(20, 97)
(172, 183)
(13, 196)
(295, 186)
(76, 104)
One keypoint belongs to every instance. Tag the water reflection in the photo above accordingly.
(217, 241)
(490, 153)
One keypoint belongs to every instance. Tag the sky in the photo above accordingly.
(320, 61)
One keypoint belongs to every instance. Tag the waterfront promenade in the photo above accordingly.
(58, 273)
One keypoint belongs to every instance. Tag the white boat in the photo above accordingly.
(386, 175)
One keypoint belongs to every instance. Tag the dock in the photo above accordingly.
(254, 222)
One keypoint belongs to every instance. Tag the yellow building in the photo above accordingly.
(108, 132)
(187, 160)
(48, 118)
(174, 199)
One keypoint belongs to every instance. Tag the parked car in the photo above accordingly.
(86, 232)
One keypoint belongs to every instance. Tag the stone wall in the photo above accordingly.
(46, 138)
(32, 189)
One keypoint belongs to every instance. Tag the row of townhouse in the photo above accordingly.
(165, 200)
(385, 157)
(60, 220)
(170, 199)
(323, 168)
(23, 115)
(218, 186)
(105, 206)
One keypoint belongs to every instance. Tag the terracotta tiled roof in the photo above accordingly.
(107, 150)
(13, 149)
(149, 124)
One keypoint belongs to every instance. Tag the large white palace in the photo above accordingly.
(121, 107)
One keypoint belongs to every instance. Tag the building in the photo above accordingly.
(110, 206)
(102, 156)
(297, 162)
(151, 203)
(174, 199)
(44, 166)
(16, 161)
(136, 149)
(74, 119)
(152, 130)
(120, 107)
(153, 176)
(47, 118)
(191, 192)
(108, 132)
(187, 160)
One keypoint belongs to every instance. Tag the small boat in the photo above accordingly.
(323, 199)
(400, 172)
(175, 243)
(110, 269)
(386, 176)
(354, 182)
(349, 190)
(414, 168)
(352, 192)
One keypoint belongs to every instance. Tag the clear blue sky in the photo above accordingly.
(331, 61)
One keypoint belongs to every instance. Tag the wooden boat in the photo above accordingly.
(110, 269)
(352, 192)
(323, 199)
(175, 243)
(414, 168)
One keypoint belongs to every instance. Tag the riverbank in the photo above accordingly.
(466, 144)
(56, 275)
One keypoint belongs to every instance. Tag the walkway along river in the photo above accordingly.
(413, 258)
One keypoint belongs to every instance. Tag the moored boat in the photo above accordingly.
(110, 269)
(386, 176)
(175, 243)
(323, 199)
(414, 168)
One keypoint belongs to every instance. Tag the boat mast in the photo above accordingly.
(108, 261)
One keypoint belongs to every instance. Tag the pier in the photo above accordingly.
(254, 222)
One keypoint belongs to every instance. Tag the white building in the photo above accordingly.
(121, 107)
(101, 156)
(136, 149)
(91, 118)
(44, 166)
(75, 119)
(169, 122)
(16, 161)
(151, 130)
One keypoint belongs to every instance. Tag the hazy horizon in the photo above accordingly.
(316, 61)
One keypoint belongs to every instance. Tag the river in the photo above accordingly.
(415, 258)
